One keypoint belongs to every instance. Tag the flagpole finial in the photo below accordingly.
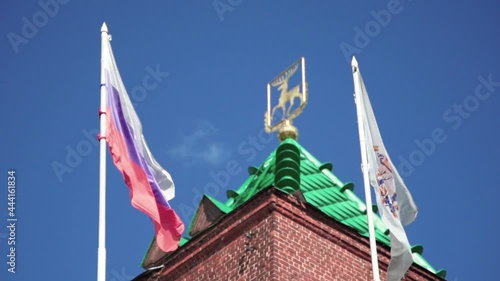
(354, 62)
(104, 27)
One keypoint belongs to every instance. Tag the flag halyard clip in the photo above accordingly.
(99, 137)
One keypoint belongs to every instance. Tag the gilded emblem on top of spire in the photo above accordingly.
(285, 110)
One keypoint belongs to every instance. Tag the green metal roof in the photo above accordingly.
(320, 187)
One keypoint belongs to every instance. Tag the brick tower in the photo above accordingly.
(292, 219)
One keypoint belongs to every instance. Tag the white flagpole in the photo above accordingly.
(101, 251)
(364, 165)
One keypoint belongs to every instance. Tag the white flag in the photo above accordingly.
(395, 204)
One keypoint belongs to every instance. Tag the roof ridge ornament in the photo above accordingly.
(285, 126)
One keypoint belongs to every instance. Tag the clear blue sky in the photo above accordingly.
(422, 62)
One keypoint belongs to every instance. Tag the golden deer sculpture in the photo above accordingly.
(286, 96)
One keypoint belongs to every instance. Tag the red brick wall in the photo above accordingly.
(310, 247)
(274, 237)
(305, 255)
(244, 258)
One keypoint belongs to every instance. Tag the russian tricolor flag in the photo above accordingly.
(151, 186)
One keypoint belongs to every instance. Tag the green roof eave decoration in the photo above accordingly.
(252, 170)
(290, 168)
(417, 249)
(441, 273)
(348, 185)
(328, 166)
